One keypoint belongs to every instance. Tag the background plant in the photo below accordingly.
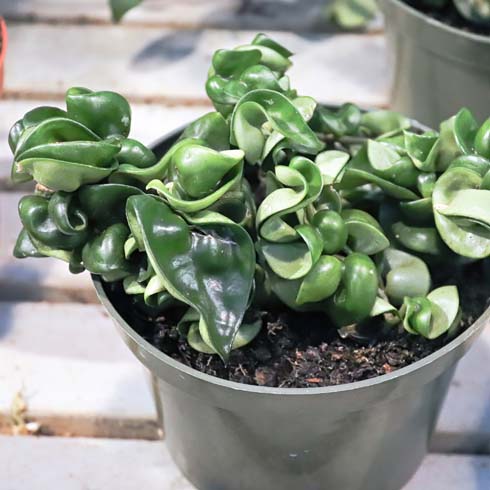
(475, 11)
(270, 200)
(348, 14)
(356, 14)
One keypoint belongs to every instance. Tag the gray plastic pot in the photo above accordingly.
(437, 69)
(369, 435)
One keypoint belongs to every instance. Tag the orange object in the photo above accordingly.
(3, 49)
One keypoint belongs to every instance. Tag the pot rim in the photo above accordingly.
(437, 24)
(4, 37)
(160, 356)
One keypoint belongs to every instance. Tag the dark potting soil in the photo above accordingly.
(449, 15)
(303, 350)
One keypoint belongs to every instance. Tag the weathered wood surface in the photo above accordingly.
(73, 372)
(170, 66)
(101, 464)
(294, 15)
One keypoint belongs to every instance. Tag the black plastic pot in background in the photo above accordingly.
(437, 69)
(368, 435)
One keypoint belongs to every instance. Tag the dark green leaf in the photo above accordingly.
(211, 267)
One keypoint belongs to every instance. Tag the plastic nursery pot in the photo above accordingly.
(368, 435)
(437, 69)
(3, 50)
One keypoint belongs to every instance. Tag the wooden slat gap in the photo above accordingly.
(87, 426)
(87, 20)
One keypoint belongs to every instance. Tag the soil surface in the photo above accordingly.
(303, 350)
(450, 16)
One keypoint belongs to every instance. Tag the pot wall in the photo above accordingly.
(437, 69)
(280, 444)
(369, 435)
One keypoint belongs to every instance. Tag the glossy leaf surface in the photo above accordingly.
(211, 268)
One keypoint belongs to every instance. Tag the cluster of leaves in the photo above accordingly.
(351, 14)
(475, 11)
(270, 199)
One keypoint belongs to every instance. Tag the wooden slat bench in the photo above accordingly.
(64, 371)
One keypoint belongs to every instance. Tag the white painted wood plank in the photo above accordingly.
(170, 66)
(82, 464)
(464, 425)
(452, 472)
(74, 372)
(296, 15)
(100, 464)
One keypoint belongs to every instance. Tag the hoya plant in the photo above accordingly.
(475, 11)
(272, 200)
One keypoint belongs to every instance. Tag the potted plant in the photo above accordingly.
(441, 55)
(3, 50)
(290, 273)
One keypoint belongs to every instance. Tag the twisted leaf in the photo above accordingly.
(391, 175)
(423, 149)
(457, 138)
(405, 275)
(321, 282)
(105, 113)
(333, 229)
(234, 73)
(40, 225)
(62, 154)
(212, 129)
(105, 204)
(259, 106)
(344, 121)
(210, 267)
(356, 296)
(182, 202)
(365, 235)
(434, 315)
(375, 123)
(460, 222)
(32, 118)
(332, 164)
(104, 254)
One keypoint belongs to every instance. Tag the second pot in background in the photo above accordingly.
(437, 69)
